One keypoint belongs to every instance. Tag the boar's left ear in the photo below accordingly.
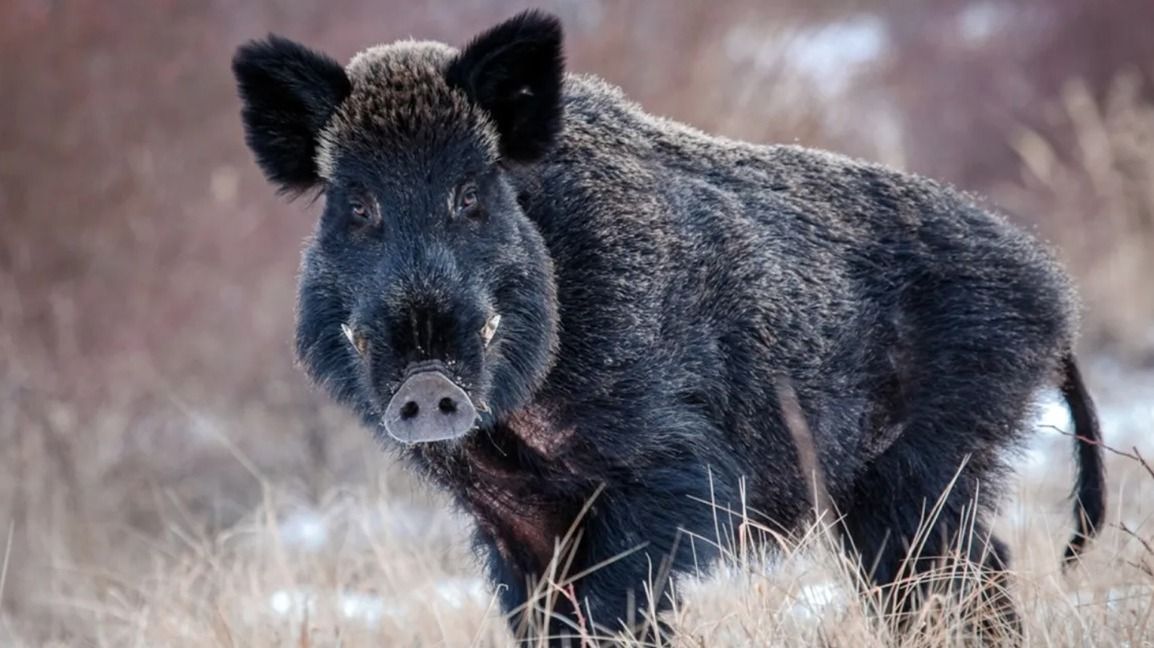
(514, 72)
(289, 93)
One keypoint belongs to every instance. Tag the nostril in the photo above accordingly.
(410, 410)
(447, 406)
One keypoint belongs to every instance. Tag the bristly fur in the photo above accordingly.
(656, 285)
(400, 96)
(289, 93)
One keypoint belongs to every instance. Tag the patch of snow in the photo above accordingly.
(409, 522)
(304, 529)
(1017, 517)
(819, 599)
(370, 608)
(827, 51)
(1129, 425)
(981, 20)
(458, 592)
(829, 54)
(1050, 445)
(1053, 417)
(1127, 420)
(291, 603)
(1037, 457)
(367, 608)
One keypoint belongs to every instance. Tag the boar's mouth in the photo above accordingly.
(429, 406)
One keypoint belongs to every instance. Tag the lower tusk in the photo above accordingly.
(358, 341)
(490, 329)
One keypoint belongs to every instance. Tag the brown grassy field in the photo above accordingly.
(382, 562)
(168, 477)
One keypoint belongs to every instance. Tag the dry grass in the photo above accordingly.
(1092, 193)
(384, 563)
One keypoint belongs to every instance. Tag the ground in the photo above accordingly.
(385, 562)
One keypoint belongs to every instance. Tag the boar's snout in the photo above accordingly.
(429, 406)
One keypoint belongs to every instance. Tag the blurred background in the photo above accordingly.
(148, 398)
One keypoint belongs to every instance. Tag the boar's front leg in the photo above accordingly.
(631, 542)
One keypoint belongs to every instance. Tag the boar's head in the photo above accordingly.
(427, 298)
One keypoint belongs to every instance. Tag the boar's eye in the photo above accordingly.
(362, 212)
(467, 200)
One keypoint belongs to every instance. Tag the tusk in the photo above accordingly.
(358, 341)
(490, 329)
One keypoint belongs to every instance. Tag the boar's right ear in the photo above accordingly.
(289, 94)
(514, 71)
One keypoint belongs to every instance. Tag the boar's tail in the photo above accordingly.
(1090, 492)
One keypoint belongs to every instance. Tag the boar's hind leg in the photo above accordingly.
(916, 515)
(911, 551)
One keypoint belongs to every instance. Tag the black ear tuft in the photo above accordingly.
(514, 71)
(289, 93)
